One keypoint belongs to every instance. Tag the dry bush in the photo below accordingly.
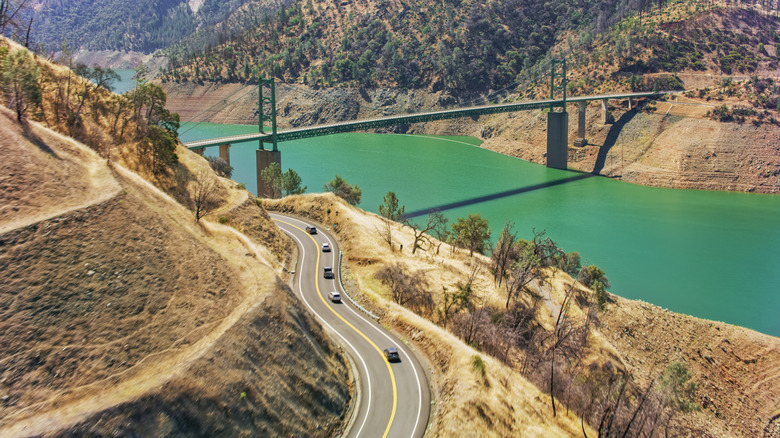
(410, 290)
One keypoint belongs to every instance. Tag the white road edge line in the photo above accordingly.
(400, 346)
(300, 289)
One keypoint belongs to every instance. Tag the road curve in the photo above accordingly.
(395, 398)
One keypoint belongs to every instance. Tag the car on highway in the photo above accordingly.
(311, 229)
(327, 272)
(334, 296)
(391, 354)
(325, 247)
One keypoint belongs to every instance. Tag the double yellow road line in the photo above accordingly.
(363, 335)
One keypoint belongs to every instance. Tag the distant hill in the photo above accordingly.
(142, 25)
(466, 46)
(472, 47)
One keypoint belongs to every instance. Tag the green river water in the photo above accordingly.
(709, 254)
(125, 82)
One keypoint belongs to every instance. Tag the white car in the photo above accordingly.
(335, 297)
(325, 247)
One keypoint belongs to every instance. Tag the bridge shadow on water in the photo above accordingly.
(611, 139)
(494, 196)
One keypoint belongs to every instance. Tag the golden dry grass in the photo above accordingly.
(110, 289)
(736, 367)
(505, 403)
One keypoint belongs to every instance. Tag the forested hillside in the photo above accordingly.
(471, 47)
(467, 46)
(143, 25)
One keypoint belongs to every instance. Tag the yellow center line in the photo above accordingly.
(389, 369)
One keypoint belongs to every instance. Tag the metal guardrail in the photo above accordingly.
(346, 294)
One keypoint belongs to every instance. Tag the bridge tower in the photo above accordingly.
(265, 157)
(557, 121)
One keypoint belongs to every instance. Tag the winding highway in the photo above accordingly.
(394, 398)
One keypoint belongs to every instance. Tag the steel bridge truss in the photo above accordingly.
(384, 122)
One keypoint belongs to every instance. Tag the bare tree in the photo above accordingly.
(409, 290)
(205, 197)
(436, 221)
(458, 299)
(11, 13)
(503, 252)
(532, 258)
(562, 332)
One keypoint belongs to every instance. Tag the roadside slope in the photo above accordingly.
(499, 402)
(736, 368)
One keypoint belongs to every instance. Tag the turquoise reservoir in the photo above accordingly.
(709, 254)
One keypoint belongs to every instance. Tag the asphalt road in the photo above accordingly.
(394, 397)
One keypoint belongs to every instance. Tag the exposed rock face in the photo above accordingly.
(113, 58)
(684, 151)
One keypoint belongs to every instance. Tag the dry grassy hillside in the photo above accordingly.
(736, 368)
(119, 314)
(503, 402)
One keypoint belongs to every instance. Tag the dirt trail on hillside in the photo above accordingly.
(80, 178)
(143, 377)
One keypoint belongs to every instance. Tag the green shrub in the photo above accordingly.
(593, 277)
(479, 367)
(223, 220)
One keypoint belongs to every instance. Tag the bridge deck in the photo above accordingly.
(382, 122)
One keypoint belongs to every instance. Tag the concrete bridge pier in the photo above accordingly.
(199, 151)
(604, 112)
(264, 159)
(580, 141)
(224, 152)
(558, 140)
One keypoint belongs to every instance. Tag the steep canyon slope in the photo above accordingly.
(121, 314)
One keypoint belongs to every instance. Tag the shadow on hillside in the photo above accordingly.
(611, 139)
(486, 198)
(33, 138)
(28, 133)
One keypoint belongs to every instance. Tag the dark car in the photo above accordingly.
(327, 272)
(391, 354)
(311, 229)
(335, 297)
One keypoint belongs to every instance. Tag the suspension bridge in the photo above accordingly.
(557, 123)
